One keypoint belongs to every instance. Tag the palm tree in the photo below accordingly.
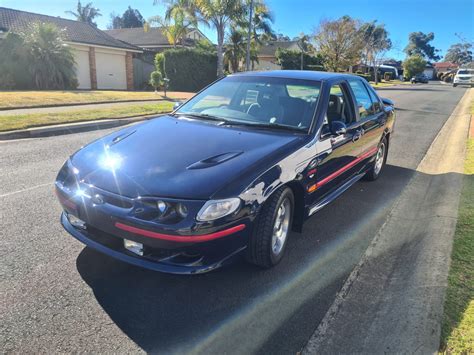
(235, 48)
(51, 61)
(175, 30)
(85, 13)
(220, 14)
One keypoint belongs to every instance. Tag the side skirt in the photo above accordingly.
(333, 195)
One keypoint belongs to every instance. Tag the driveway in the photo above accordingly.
(57, 295)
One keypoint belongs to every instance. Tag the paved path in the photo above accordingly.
(57, 296)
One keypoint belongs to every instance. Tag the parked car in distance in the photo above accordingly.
(230, 171)
(464, 77)
(419, 78)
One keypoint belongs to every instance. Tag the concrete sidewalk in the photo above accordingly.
(393, 300)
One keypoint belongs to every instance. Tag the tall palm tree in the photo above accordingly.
(220, 14)
(235, 48)
(85, 13)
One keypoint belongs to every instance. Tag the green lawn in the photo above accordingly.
(12, 99)
(8, 122)
(458, 323)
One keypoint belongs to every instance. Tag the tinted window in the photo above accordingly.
(338, 108)
(258, 100)
(376, 105)
(362, 97)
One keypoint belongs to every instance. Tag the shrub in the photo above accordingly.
(37, 58)
(187, 69)
(387, 76)
(291, 60)
(156, 79)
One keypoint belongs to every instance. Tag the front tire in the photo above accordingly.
(270, 234)
(454, 85)
(377, 165)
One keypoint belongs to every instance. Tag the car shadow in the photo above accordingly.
(170, 313)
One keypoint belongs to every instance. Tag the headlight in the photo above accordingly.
(215, 209)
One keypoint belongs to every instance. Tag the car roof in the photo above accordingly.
(298, 74)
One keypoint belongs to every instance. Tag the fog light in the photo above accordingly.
(76, 222)
(134, 247)
(182, 210)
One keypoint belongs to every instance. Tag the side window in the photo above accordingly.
(362, 97)
(376, 105)
(338, 108)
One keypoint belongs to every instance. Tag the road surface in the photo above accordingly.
(56, 295)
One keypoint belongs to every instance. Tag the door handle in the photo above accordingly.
(357, 135)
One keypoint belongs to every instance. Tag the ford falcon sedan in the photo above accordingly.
(230, 172)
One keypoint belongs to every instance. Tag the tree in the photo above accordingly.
(376, 44)
(418, 44)
(205, 46)
(413, 65)
(175, 30)
(131, 18)
(85, 13)
(220, 14)
(459, 53)
(235, 48)
(339, 42)
(37, 58)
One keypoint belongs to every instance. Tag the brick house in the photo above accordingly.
(102, 62)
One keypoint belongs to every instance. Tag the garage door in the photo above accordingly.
(82, 69)
(111, 72)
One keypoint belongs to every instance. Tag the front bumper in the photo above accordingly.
(193, 259)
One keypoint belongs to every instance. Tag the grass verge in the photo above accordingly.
(457, 335)
(12, 99)
(9, 123)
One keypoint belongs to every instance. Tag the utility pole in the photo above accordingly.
(249, 36)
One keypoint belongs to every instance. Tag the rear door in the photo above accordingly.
(371, 118)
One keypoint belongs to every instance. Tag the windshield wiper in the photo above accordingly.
(203, 116)
(267, 125)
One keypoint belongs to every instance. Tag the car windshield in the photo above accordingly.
(466, 72)
(257, 101)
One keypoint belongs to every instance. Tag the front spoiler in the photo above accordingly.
(83, 236)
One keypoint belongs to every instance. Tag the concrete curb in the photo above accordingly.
(392, 302)
(69, 128)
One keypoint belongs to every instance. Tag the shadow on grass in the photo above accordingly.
(460, 290)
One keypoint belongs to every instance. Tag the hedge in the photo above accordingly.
(291, 60)
(187, 69)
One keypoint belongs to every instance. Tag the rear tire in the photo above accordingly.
(269, 237)
(377, 165)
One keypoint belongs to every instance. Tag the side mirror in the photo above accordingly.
(387, 102)
(338, 127)
(176, 105)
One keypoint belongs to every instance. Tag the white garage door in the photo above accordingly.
(111, 72)
(82, 69)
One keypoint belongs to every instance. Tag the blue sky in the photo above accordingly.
(443, 17)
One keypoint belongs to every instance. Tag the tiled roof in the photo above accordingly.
(139, 37)
(75, 31)
(445, 65)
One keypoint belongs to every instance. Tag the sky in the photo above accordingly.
(443, 17)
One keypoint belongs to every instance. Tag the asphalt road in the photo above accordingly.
(56, 295)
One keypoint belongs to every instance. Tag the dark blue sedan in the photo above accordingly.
(229, 172)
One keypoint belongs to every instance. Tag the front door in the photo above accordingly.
(337, 153)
